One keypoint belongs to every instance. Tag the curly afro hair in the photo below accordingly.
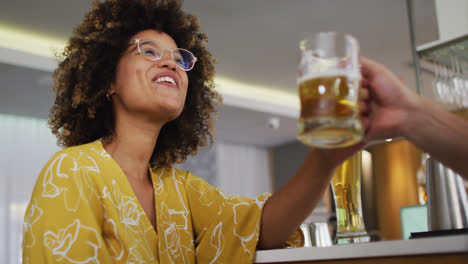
(82, 113)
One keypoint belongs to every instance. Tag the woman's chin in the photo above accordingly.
(170, 113)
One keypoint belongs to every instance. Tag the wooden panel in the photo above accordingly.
(428, 259)
(394, 167)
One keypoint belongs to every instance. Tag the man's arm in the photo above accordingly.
(396, 111)
(440, 133)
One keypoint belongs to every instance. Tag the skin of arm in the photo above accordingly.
(440, 133)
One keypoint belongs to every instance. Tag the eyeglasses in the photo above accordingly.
(184, 59)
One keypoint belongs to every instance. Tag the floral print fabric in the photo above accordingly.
(83, 210)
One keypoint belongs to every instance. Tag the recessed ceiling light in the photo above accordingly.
(273, 123)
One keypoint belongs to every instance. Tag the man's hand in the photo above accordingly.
(386, 103)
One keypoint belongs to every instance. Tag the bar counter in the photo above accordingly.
(446, 249)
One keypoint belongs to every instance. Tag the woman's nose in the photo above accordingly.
(167, 61)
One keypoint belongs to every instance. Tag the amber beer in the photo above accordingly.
(329, 113)
(346, 184)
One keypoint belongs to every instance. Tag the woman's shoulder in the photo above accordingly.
(90, 149)
(69, 169)
(74, 155)
(174, 173)
(66, 178)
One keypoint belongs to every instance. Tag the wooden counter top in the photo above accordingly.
(453, 248)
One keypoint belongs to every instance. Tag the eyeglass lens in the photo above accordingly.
(183, 58)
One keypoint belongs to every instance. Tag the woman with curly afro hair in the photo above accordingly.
(135, 94)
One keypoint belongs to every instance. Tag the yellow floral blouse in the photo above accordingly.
(83, 210)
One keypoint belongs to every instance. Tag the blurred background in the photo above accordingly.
(256, 44)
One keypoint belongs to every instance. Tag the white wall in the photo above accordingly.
(244, 170)
(26, 145)
(452, 17)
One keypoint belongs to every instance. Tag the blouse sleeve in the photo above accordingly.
(61, 222)
(226, 228)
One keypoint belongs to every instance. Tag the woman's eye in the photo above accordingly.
(178, 57)
(149, 51)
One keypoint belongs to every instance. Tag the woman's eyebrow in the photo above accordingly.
(150, 42)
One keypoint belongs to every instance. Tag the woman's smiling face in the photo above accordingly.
(153, 90)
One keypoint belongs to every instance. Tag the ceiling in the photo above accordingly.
(255, 43)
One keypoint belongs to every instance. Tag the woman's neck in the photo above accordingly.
(132, 145)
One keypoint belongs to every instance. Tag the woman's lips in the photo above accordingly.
(166, 78)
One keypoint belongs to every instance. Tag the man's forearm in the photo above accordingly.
(441, 134)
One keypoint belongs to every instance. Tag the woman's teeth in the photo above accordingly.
(166, 79)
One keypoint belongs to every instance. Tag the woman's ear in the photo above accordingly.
(111, 90)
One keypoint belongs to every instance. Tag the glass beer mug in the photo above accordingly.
(346, 185)
(328, 79)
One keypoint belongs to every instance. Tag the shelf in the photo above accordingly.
(443, 51)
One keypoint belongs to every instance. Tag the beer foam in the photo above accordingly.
(351, 75)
